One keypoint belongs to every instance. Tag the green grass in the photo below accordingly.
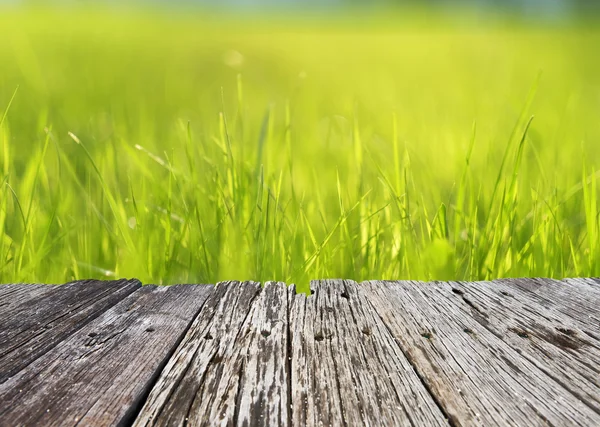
(196, 149)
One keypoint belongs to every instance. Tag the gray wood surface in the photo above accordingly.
(31, 328)
(100, 375)
(539, 331)
(467, 352)
(12, 295)
(346, 367)
(231, 367)
(578, 299)
(505, 352)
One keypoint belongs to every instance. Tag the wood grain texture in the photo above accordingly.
(504, 352)
(540, 333)
(346, 367)
(585, 286)
(30, 329)
(578, 299)
(480, 375)
(12, 295)
(100, 375)
(231, 367)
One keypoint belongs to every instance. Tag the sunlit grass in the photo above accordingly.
(197, 149)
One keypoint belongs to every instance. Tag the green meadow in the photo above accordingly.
(187, 147)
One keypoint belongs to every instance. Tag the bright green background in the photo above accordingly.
(216, 148)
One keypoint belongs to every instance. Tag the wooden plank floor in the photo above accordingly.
(507, 352)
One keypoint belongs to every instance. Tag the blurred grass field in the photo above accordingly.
(197, 148)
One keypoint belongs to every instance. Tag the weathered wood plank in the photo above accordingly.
(579, 299)
(263, 350)
(543, 335)
(477, 376)
(573, 288)
(346, 367)
(100, 375)
(588, 284)
(33, 327)
(231, 368)
(12, 295)
(507, 352)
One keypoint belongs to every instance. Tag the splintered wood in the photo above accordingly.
(505, 352)
(232, 365)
